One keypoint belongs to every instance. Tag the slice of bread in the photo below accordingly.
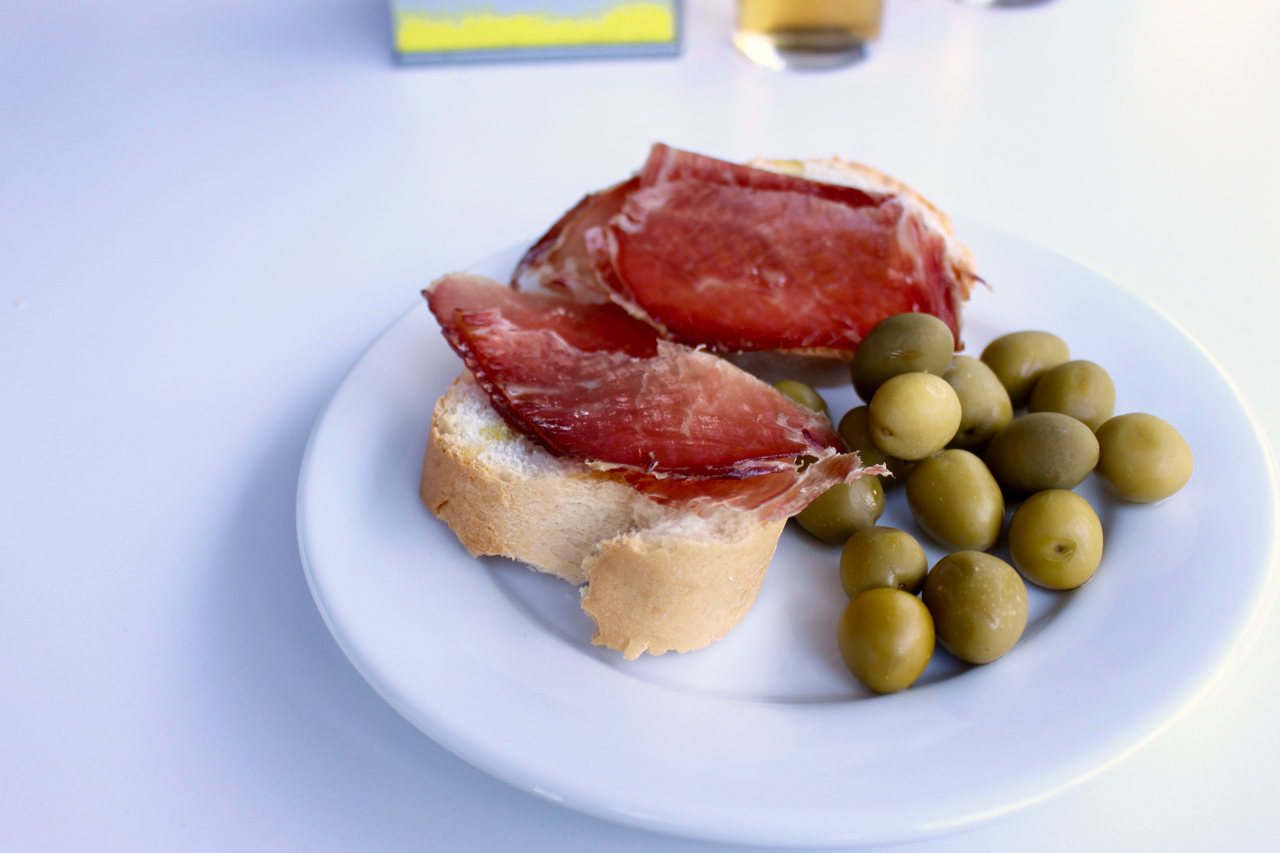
(656, 578)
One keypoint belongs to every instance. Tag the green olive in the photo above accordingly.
(984, 404)
(914, 415)
(1041, 451)
(1055, 539)
(882, 557)
(1143, 457)
(855, 429)
(845, 507)
(1080, 389)
(886, 639)
(1020, 358)
(978, 604)
(903, 343)
(956, 501)
(803, 394)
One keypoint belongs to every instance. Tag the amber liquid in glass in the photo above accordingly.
(806, 34)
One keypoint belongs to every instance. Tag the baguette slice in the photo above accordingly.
(656, 578)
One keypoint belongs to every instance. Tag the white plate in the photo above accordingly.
(764, 738)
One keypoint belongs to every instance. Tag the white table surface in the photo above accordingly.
(209, 208)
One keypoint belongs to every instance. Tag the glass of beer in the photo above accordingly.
(806, 34)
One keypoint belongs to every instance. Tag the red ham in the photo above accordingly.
(585, 327)
(679, 424)
(740, 259)
(560, 261)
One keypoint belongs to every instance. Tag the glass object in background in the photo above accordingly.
(806, 34)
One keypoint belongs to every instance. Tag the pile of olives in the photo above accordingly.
(943, 424)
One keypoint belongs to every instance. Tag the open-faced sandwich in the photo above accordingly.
(593, 434)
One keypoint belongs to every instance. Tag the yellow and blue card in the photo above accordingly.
(474, 30)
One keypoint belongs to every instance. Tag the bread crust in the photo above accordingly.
(666, 593)
(658, 579)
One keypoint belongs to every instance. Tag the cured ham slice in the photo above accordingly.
(739, 259)
(679, 424)
(584, 327)
(560, 260)
(769, 271)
